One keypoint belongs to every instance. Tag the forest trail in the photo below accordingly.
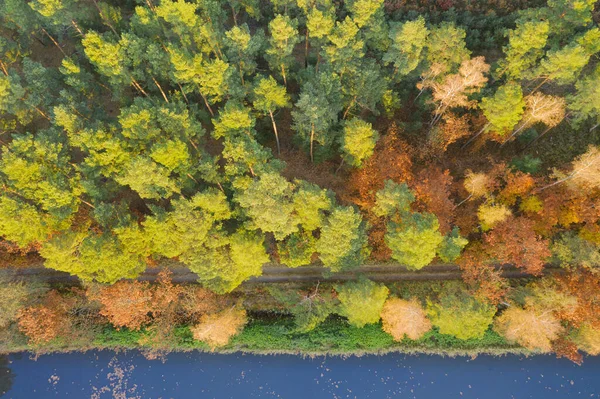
(281, 274)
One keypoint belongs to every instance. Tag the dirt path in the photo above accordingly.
(279, 274)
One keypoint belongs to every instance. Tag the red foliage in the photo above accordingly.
(565, 348)
(432, 189)
(515, 241)
(477, 271)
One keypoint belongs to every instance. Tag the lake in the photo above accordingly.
(105, 374)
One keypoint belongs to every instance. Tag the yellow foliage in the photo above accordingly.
(491, 214)
(529, 327)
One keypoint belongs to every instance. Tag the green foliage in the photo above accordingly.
(24, 224)
(91, 257)
(527, 164)
(310, 203)
(343, 241)
(461, 316)
(269, 96)
(451, 247)
(358, 141)
(571, 250)
(414, 240)
(446, 46)
(361, 301)
(309, 309)
(297, 249)
(284, 36)
(393, 198)
(268, 201)
(408, 42)
(525, 47)
(504, 109)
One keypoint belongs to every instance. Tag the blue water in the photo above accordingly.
(105, 374)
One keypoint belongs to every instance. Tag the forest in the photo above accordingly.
(229, 136)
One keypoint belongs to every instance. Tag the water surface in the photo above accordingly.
(107, 374)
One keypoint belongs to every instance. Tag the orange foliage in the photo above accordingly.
(401, 317)
(565, 348)
(563, 206)
(45, 322)
(515, 241)
(486, 281)
(452, 129)
(217, 329)
(390, 161)
(518, 184)
(432, 189)
(585, 286)
(125, 303)
(134, 304)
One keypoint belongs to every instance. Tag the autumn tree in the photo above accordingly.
(531, 328)
(217, 329)
(47, 321)
(404, 318)
(125, 303)
(362, 301)
(515, 241)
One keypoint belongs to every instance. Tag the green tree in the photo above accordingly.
(525, 47)
(226, 261)
(319, 25)
(585, 103)
(39, 168)
(564, 65)
(91, 257)
(414, 241)
(570, 250)
(346, 47)
(317, 108)
(446, 46)
(393, 198)
(361, 301)
(268, 98)
(242, 49)
(268, 202)
(310, 204)
(504, 109)
(284, 36)
(408, 42)
(358, 141)
(343, 241)
(461, 316)
(23, 224)
(297, 250)
(451, 247)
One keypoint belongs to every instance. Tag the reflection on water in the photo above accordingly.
(105, 374)
(6, 375)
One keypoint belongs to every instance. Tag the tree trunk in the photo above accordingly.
(283, 74)
(275, 130)
(206, 103)
(306, 49)
(312, 137)
(161, 90)
(54, 41)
